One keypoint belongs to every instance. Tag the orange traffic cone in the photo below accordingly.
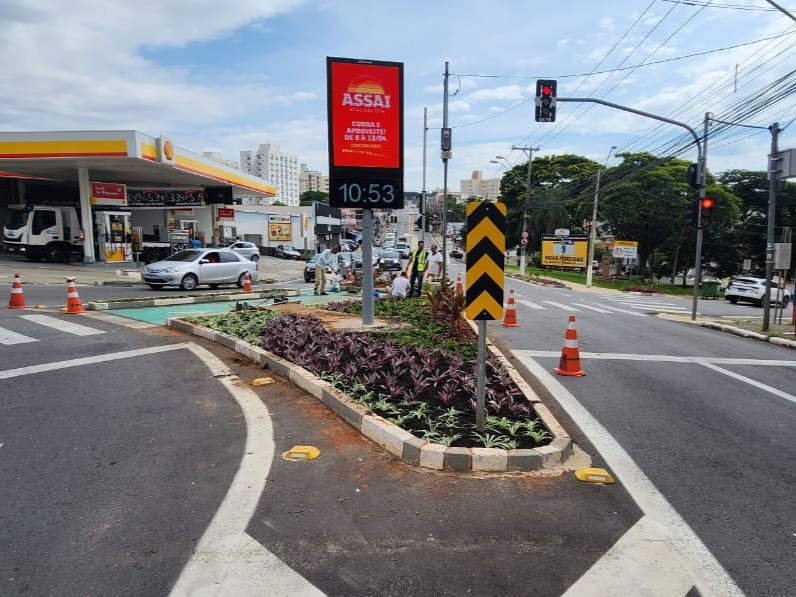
(17, 298)
(247, 282)
(459, 286)
(570, 357)
(510, 317)
(73, 304)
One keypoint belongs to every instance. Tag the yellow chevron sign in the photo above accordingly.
(485, 247)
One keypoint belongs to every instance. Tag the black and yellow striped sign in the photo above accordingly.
(486, 246)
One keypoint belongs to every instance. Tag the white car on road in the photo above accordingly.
(192, 267)
(753, 290)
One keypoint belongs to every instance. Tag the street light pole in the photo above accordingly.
(593, 233)
(526, 205)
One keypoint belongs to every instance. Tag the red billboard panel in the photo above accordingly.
(365, 104)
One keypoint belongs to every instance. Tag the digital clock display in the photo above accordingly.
(365, 115)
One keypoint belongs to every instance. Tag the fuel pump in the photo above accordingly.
(115, 235)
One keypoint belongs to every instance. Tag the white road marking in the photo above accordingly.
(637, 553)
(598, 309)
(9, 337)
(703, 569)
(227, 561)
(561, 306)
(62, 325)
(751, 382)
(528, 304)
(625, 311)
(663, 358)
(119, 320)
(103, 358)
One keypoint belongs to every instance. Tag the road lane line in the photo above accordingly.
(561, 306)
(598, 309)
(62, 326)
(8, 337)
(227, 561)
(663, 358)
(751, 382)
(706, 572)
(625, 311)
(528, 304)
(93, 360)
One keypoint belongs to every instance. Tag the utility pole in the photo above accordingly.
(773, 183)
(701, 179)
(593, 231)
(445, 147)
(525, 206)
(423, 192)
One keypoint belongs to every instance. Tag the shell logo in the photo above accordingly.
(366, 92)
(168, 150)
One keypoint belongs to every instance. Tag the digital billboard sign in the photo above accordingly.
(365, 113)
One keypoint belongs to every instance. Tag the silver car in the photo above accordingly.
(192, 267)
(248, 250)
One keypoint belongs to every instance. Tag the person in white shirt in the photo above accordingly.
(434, 263)
(400, 285)
(326, 260)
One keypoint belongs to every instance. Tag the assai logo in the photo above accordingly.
(366, 92)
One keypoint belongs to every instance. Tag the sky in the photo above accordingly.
(229, 76)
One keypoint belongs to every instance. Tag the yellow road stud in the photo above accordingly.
(302, 453)
(594, 475)
(262, 381)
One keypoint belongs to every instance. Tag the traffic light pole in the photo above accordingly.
(700, 174)
(702, 169)
(525, 207)
(773, 178)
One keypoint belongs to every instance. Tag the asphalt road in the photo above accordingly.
(706, 417)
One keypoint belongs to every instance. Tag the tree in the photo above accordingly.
(310, 197)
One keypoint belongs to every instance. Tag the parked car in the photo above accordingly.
(389, 260)
(349, 261)
(309, 267)
(286, 252)
(404, 249)
(753, 290)
(248, 250)
(348, 245)
(193, 267)
(456, 253)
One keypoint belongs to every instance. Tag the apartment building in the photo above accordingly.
(216, 156)
(278, 167)
(312, 180)
(487, 189)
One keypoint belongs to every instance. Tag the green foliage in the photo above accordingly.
(310, 197)
(246, 324)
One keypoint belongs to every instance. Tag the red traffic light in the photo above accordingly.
(547, 90)
(707, 203)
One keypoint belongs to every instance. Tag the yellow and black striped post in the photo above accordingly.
(486, 247)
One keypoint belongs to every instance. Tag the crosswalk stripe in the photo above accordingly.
(561, 306)
(118, 320)
(624, 311)
(528, 304)
(62, 326)
(8, 337)
(598, 309)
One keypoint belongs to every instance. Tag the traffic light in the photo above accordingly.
(693, 212)
(692, 176)
(706, 206)
(546, 100)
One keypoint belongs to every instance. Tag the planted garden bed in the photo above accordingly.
(422, 379)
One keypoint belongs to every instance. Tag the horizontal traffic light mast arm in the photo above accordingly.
(640, 113)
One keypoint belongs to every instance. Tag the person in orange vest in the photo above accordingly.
(416, 268)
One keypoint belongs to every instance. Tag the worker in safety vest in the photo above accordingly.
(416, 268)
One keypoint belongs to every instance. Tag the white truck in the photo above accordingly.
(54, 233)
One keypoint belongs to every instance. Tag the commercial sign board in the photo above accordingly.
(279, 228)
(365, 116)
(108, 193)
(625, 249)
(226, 213)
(565, 252)
(165, 197)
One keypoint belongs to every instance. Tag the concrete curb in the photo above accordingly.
(191, 300)
(729, 329)
(396, 441)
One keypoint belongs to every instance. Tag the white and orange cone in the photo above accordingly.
(459, 286)
(73, 304)
(510, 317)
(247, 282)
(17, 298)
(570, 356)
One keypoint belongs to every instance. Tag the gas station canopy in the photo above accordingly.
(125, 157)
